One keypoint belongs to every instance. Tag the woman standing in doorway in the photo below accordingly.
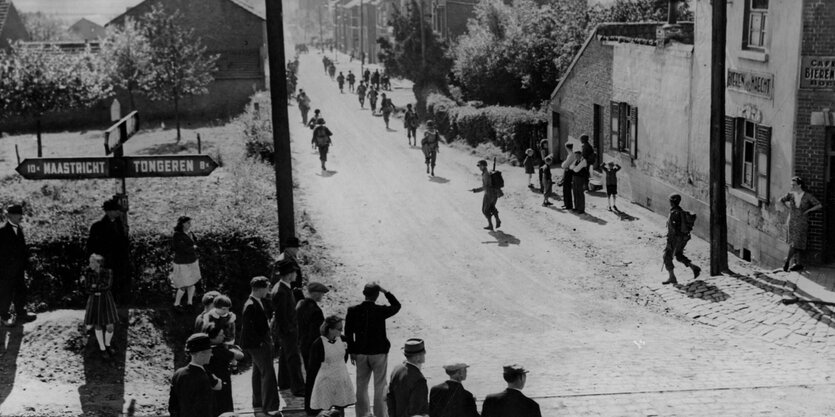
(186, 270)
(800, 204)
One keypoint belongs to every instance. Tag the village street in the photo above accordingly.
(575, 299)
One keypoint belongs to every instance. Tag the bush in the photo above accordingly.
(510, 128)
(258, 130)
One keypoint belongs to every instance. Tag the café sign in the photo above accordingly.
(817, 72)
(756, 84)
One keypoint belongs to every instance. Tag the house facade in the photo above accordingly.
(235, 30)
(86, 30)
(11, 26)
(652, 113)
(358, 25)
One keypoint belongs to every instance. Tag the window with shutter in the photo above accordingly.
(763, 135)
(730, 136)
(623, 144)
(614, 126)
(633, 133)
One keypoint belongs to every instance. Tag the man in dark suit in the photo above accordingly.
(368, 345)
(310, 317)
(14, 259)
(291, 253)
(407, 388)
(511, 402)
(256, 341)
(109, 238)
(285, 328)
(450, 399)
(191, 386)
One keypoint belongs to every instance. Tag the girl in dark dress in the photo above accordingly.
(101, 311)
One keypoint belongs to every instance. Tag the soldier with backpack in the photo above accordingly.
(410, 122)
(340, 79)
(361, 94)
(351, 80)
(386, 107)
(430, 146)
(322, 140)
(372, 98)
(679, 225)
(492, 186)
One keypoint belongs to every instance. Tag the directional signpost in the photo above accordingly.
(112, 167)
(119, 133)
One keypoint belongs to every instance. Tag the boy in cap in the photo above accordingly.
(256, 341)
(511, 402)
(109, 238)
(191, 386)
(14, 259)
(676, 241)
(407, 389)
(208, 304)
(491, 196)
(368, 345)
(547, 181)
(611, 169)
(450, 399)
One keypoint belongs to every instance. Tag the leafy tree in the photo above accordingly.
(35, 81)
(44, 27)
(178, 64)
(426, 66)
(127, 55)
(637, 11)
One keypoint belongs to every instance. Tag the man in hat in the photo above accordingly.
(568, 178)
(676, 241)
(291, 253)
(191, 385)
(310, 320)
(407, 389)
(256, 341)
(109, 238)
(511, 402)
(368, 345)
(450, 399)
(285, 329)
(491, 196)
(14, 259)
(579, 180)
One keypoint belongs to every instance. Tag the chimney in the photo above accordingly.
(670, 30)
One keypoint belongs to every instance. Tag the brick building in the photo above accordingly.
(11, 26)
(449, 17)
(358, 25)
(779, 120)
(86, 30)
(233, 29)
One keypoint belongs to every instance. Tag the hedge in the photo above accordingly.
(510, 128)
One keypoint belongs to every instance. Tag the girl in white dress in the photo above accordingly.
(332, 385)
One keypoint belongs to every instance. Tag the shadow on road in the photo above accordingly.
(589, 217)
(703, 290)
(625, 216)
(104, 390)
(503, 239)
(818, 310)
(10, 337)
(326, 174)
(439, 180)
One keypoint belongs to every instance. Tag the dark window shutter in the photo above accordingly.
(763, 136)
(622, 131)
(634, 143)
(730, 139)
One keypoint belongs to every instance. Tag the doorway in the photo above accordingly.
(829, 203)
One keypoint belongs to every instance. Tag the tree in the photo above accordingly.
(424, 61)
(44, 27)
(126, 53)
(178, 64)
(35, 81)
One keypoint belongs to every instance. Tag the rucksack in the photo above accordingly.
(496, 178)
(322, 138)
(688, 220)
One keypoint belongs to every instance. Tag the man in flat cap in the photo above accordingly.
(291, 253)
(407, 389)
(14, 259)
(368, 345)
(256, 341)
(285, 330)
(511, 402)
(310, 317)
(191, 385)
(450, 399)
(109, 238)
(491, 196)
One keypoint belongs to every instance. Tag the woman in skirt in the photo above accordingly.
(186, 271)
(332, 385)
(101, 311)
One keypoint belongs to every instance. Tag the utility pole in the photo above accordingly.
(422, 38)
(281, 126)
(362, 49)
(321, 39)
(718, 213)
